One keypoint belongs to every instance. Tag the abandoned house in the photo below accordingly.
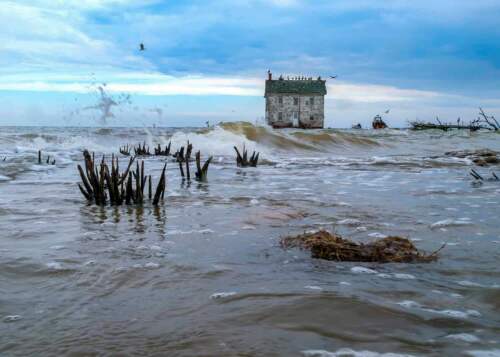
(297, 102)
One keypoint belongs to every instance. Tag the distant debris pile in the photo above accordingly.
(483, 121)
(329, 246)
(242, 159)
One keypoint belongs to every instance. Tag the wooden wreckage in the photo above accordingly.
(48, 161)
(242, 159)
(101, 186)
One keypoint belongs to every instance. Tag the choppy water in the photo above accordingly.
(204, 274)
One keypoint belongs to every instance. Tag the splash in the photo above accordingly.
(106, 102)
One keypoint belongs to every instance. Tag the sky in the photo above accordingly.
(77, 63)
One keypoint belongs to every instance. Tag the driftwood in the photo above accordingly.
(242, 159)
(325, 245)
(160, 152)
(201, 171)
(102, 186)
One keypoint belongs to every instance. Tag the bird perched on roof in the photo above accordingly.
(141, 47)
(333, 77)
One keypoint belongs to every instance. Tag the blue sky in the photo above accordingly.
(207, 60)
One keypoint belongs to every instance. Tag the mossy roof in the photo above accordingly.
(283, 86)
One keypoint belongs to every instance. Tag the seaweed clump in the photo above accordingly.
(325, 245)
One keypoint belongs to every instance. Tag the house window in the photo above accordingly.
(311, 117)
(280, 100)
(280, 116)
(295, 101)
(311, 100)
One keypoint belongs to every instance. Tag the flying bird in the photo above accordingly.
(387, 111)
(141, 47)
(333, 77)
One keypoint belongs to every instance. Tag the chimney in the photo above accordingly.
(269, 75)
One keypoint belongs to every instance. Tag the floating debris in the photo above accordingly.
(101, 186)
(243, 161)
(325, 245)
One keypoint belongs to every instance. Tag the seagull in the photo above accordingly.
(387, 111)
(141, 47)
(333, 77)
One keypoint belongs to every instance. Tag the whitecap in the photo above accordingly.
(151, 265)
(222, 295)
(382, 275)
(484, 353)
(12, 318)
(377, 235)
(54, 266)
(451, 222)
(466, 337)
(404, 276)
(469, 284)
(206, 231)
(409, 304)
(347, 352)
(363, 270)
(349, 222)
(313, 287)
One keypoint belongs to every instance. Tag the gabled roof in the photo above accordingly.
(285, 86)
